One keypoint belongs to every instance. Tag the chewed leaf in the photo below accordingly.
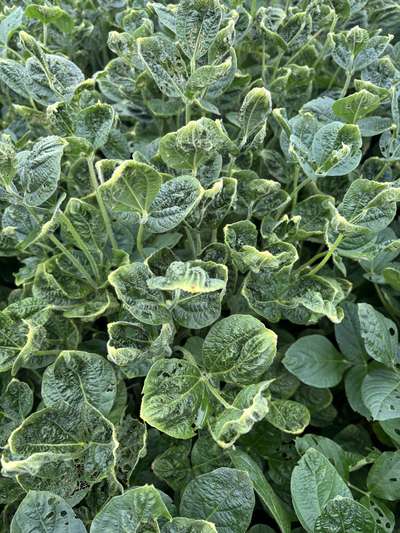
(288, 416)
(174, 393)
(45, 512)
(314, 483)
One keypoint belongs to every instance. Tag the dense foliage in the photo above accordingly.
(199, 283)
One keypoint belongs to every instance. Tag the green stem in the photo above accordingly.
(191, 242)
(230, 166)
(253, 8)
(188, 112)
(358, 490)
(389, 308)
(298, 188)
(293, 56)
(47, 352)
(312, 260)
(81, 244)
(382, 170)
(73, 260)
(328, 255)
(139, 241)
(295, 187)
(218, 396)
(346, 84)
(100, 201)
(263, 62)
(45, 34)
(65, 251)
(214, 234)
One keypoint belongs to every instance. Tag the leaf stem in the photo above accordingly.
(358, 490)
(100, 201)
(346, 84)
(139, 241)
(253, 8)
(73, 260)
(327, 256)
(218, 396)
(188, 112)
(389, 308)
(82, 245)
(191, 242)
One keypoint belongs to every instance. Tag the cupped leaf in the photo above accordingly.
(137, 508)
(173, 203)
(239, 349)
(78, 377)
(251, 405)
(39, 170)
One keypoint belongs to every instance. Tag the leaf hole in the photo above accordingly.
(392, 331)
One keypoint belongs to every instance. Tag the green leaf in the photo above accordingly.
(197, 24)
(315, 361)
(314, 482)
(174, 397)
(264, 490)
(336, 149)
(45, 512)
(78, 377)
(137, 508)
(239, 349)
(10, 23)
(344, 515)
(224, 496)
